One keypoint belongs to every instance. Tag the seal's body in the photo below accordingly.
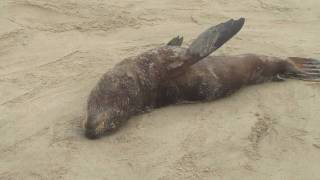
(219, 76)
(132, 85)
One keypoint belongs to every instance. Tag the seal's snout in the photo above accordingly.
(90, 130)
(95, 126)
(91, 134)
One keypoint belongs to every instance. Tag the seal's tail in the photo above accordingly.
(307, 69)
(214, 37)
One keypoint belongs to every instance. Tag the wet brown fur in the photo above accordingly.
(131, 87)
(164, 76)
(218, 76)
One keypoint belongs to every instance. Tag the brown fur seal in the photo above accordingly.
(218, 76)
(132, 85)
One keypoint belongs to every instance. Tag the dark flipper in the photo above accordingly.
(177, 41)
(307, 69)
(206, 43)
(215, 37)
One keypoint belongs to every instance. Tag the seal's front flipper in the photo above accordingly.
(306, 69)
(202, 46)
(177, 41)
(215, 37)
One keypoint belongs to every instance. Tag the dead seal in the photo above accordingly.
(219, 76)
(131, 87)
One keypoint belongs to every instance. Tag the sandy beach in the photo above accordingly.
(53, 52)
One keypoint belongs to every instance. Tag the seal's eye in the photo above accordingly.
(101, 120)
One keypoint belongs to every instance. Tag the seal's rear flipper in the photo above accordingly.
(307, 69)
(177, 41)
(215, 37)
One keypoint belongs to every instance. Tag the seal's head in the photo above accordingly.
(98, 124)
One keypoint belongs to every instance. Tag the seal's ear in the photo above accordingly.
(177, 41)
(215, 37)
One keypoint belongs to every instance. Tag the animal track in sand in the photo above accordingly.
(262, 128)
